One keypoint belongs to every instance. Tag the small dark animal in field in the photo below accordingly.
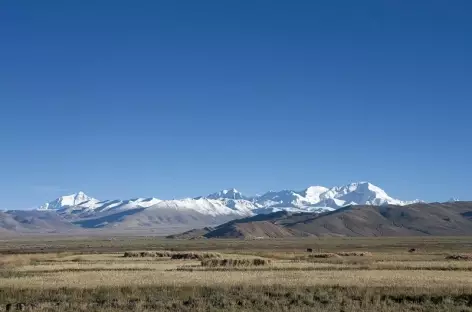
(309, 250)
(413, 250)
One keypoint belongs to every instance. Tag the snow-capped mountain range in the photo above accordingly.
(231, 202)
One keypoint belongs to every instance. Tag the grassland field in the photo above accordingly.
(340, 274)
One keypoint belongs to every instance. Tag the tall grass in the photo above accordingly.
(240, 298)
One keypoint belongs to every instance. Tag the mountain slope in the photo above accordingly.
(412, 220)
(154, 215)
(162, 220)
(18, 221)
(416, 219)
(233, 202)
(250, 229)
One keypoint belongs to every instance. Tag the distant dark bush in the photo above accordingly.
(324, 255)
(143, 254)
(131, 254)
(195, 255)
(354, 254)
(235, 262)
(459, 257)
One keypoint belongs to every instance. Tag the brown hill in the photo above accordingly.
(195, 233)
(258, 229)
(419, 219)
(30, 221)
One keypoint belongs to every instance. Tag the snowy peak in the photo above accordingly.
(360, 193)
(313, 193)
(231, 202)
(228, 194)
(284, 198)
(73, 200)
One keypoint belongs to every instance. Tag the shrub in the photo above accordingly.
(459, 257)
(324, 255)
(138, 254)
(235, 262)
(131, 254)
(195, 255)
(354, 254)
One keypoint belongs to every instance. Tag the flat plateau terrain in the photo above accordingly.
(338, 274)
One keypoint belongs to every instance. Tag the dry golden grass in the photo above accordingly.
(11, 261)
(90, 272)
(239, 280)
(346, 278)
(19, 260)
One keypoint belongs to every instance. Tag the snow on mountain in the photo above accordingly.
(361, 193)
(313, 193)
(285, 199)
(74, 200)
(213, 207)
(232, 202)
(80, 203)
(229, 194)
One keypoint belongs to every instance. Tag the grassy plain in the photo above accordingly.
(91, 274)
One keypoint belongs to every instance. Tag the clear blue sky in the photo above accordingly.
(181, 98)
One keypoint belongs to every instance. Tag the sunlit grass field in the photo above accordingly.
(245, 276)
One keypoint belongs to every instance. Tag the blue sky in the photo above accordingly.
(181, 98)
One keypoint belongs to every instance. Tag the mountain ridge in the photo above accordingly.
(79, 211)
(319, 197)
(420, 219)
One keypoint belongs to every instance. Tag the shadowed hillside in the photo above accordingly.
(33, 222)
(438, 219)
